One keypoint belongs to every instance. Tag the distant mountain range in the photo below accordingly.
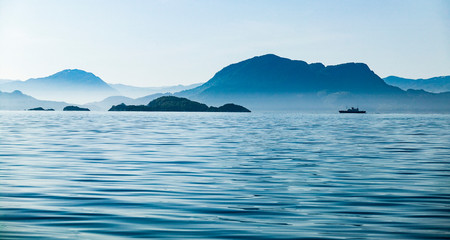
(5, 81)
(74, 85)
(270, 82)
(16, 100)
(135, 92)
(272, 74)
(106, 103)
(267, 82)
(435, 85)
(70, 85)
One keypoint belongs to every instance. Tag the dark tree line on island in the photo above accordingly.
(178, 104)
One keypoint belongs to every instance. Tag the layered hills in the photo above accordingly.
(270, 82)
(16, 100)
(138, 92)
(273, 74)
(106, 103)
(267, 82)
(74, 85)
(71, 85)
(435, 84)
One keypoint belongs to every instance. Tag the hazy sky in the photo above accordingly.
(158, 43)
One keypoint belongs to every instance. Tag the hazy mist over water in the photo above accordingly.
(112, 175)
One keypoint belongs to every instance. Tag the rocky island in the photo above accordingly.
(41, 109)
(75, 108)
(178, 104)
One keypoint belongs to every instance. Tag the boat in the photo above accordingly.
(352, 110)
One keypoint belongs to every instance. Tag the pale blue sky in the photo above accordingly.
(162, 42)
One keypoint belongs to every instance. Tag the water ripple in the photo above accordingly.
(224, 176)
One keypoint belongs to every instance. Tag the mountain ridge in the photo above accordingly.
(135, 92)
(273, 74)
(71, 85)
(435, 84)
(76, 85)
(16, 100)
(270, 82)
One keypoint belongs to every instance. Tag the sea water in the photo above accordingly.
(123, 175)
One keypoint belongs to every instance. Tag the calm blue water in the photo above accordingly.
(224, 176)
